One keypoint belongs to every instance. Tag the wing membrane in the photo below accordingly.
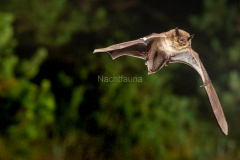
(192, 59)
(136, 48)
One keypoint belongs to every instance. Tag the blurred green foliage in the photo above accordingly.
(54, 107)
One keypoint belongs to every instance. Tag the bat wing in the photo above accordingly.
(192, 59)
(136, 48)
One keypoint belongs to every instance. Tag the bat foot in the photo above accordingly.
(167, 60)
(150, 72)
(167, 63)
(146, 61)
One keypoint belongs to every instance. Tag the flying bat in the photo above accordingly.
(169, 47)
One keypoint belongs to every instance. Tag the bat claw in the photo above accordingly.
(167, 62)
(150, 72)
(146, 61)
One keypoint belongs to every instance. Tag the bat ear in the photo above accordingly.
(191, 37)
(176, 33)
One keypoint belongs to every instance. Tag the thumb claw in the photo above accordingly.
(205, 84)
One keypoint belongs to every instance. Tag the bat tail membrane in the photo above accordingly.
(216, 106)
(156, 60)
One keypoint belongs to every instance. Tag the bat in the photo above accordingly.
(159, 50)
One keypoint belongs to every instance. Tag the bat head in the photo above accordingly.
(180, 38)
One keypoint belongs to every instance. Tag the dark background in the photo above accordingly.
(53, 106)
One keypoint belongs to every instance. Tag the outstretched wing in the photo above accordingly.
(136, 48)
(192, 59)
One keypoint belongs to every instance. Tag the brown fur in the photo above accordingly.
(182, 33)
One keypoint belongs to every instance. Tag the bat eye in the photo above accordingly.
(182, 40)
